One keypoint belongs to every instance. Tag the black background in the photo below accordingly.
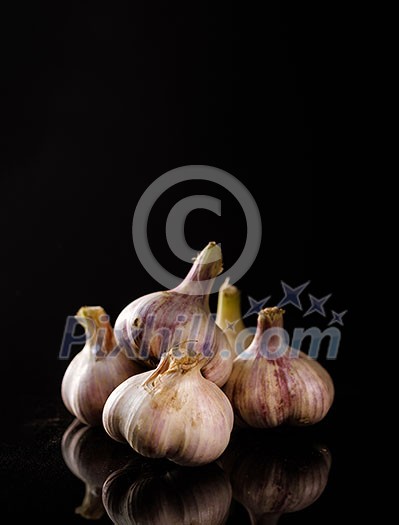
(97, 102)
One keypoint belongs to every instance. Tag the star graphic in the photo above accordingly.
(255, 306)
(337, 318)
(291, 295)
(317, 305)
(230, 326)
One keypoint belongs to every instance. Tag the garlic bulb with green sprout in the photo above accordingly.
(172, 412)
(228, 317)
(152, 324)
(97, 369)
(271, 385)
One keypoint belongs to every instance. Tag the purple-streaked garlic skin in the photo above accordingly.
(152, 324)
(172, 412)
(96, 370)
(268, 392)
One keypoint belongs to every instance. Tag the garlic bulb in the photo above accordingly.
(181, 498)
(267, 389)
(152, 324)
(172, 412)
(277, 475)
(96, 370)
(91, 456)
(228, 316)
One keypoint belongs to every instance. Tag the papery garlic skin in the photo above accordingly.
(267, 392)
(173, 412)
(152, 324)
(96, 370)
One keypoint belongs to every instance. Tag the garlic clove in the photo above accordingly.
(181, 498)
(96, 370)
(267, 392)
(152, 324)
(91, 456)
(172, 412)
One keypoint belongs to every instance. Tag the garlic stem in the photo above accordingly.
(92, 507)
(229, 308)
(172, 363)
(97, 325)
(229, 319)
(264, 519)
(206, 267)
(271, 317)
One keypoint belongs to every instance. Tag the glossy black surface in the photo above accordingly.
(59, 470)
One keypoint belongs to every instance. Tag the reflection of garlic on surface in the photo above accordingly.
(266, 391)
(91, 456)
(168, 495)
(152, 324)
(275, 474)
(96, 370)
(172, 412)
